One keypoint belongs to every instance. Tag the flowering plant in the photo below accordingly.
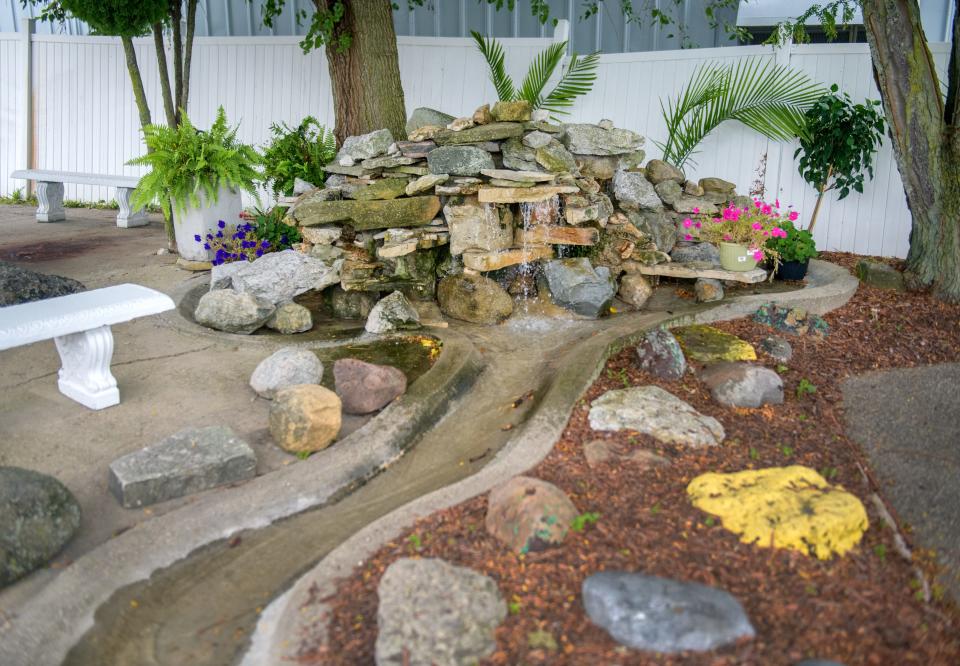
(750, 226)
(249, 240)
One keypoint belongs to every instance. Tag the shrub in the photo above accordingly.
(297, 152)
(797, 245)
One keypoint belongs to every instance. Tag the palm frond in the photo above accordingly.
(766, 97)
(492, 52)
(577, 80)
(539, 73)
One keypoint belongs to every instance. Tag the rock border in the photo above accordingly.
(286, 621)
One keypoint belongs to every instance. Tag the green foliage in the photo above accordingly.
(805, 387)
(839, 141)
(580, 522)
(297, 152)
(577, 80)
(120, 18)
(770, 99)
(186, 162)
(17, 198)
(797, 246)
(827, 15)
(271, 226)
(416, 543)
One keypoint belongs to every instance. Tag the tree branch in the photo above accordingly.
(164, 75)
(188, 52)
(176, 13)
(136, 80)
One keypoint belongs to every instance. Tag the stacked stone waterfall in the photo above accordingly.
(470, 210)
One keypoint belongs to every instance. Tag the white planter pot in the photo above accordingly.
(202, 220)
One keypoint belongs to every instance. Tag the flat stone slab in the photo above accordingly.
(478, 260)
(523, 194)
(703, 270)
(182, 464)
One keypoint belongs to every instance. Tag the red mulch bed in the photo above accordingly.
(862, 608)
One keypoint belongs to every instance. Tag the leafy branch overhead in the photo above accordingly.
(770, 99)
(577, 79)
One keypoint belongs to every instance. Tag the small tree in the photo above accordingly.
(838, 145)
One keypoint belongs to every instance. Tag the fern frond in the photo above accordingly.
(539, 73)
(492, 52)
(577, 80)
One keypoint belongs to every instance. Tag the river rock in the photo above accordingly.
(474, 298)
(708, 290)
(278, 277)
(795, 321)
(19, 285)
(345, 304)
(655, 412)
(663, 615)
(529, 514)
(586, 139)
(578, 286)
(879, 274)
(290, 318)
(433, 613)
(776, 348)
(634, 192)
(459, 160)
(717, 186)
(706, 253)
(660, 354)
(365, 146)
(38, 516)
(657, 226)
(635, 290)
(424, 116)
(188, 462)
(284, 368)
(476, 226)
(232, 311)
(304, 418)
(392, 313)
(366, 387)
(708, 344)
(743, 384)
(659, 171)
(669, 191)
(602, 451)
(517, 111)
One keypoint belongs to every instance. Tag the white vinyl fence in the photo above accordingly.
(82, 116)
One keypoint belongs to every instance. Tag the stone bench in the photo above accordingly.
(80, 326)
(694, 270)
(50, 193)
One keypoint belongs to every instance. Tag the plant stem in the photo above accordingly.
(823, 189)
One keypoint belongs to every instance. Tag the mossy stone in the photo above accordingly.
(708, 344)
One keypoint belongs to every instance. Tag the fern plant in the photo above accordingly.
(577, 80)
(297, 152)
(770, 99)
(186, 162)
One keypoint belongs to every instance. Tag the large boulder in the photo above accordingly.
(577, 285)
(365, 146)
(634, 192)
(459, 160)
(743, 384)
(305, 418)
(392, 313)
(474, 298)
(586, 139)
(663, 615)
(518, 156)
(879, 274)
(635, 290)
(232, 311)
(476, 226)
(553, 157)
(425, 116)
(290, 318)
(432, 612)
(660, 354)
(659, 171)
(529, 514)
(284, 368)
(279, 276)
(19, 285)
(708, 344)
(38, 516)
(657, 226)
(652, 411)
(366, 387)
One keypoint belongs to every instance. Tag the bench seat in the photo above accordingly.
(80, 324)
(50, 193)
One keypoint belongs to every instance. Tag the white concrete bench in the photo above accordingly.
(80, 326)
(50, 193)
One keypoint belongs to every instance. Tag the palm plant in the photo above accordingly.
(576, 80)
(770, 99)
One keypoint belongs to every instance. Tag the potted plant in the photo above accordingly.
(796, 249)
(197, 176)
(741, 234)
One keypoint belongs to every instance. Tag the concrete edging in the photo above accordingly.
(44, 630)
(288, 620)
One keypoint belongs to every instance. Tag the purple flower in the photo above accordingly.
(196, 237)
(209, 236)
(265, 244)
(206, 246)
(222, 224)
(219, 234)
(260, 253)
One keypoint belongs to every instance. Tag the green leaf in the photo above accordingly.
(492, 52)
(539, 72)
(577, 80)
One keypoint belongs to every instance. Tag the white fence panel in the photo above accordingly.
(12, 67)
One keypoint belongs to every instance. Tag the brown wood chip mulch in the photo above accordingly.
(862, 608)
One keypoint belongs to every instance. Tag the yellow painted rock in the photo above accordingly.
(708, 344)
(783, 507)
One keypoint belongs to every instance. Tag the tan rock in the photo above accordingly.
(495, 260)
(482, 115)
(305, 418)
(516, 111)
(511, 174)
(522, 195)
(425, 133)
(529, 514)
(459, 124)
(635, 290)
(555, 235)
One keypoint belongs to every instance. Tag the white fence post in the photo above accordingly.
(26, 118)
(561, 31)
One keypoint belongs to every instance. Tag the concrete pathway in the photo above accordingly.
(908, 422)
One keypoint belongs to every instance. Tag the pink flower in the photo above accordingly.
(717, 219)
(758, 255)
(757, 226)
(776, 203)
(687, 223)
(726, 237)
(778, 232)
(766, 210)
(757, 203)
(793, 216)
(766, 233)
(698, 225)
(688, 237)
(696, 211)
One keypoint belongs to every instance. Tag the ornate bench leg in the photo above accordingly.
(126, 217)
(50, 198)
(85, 373)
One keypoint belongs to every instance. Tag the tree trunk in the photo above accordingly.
(168, 109)
(925, 146)
(816, 208)
(133, 68)
(188, 53)
(176, 12)
(365, 77)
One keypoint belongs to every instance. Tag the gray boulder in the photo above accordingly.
(576, 285)
(880, 275)
(776, 348)
(669, 191)
(706, 253)
(663, 615)
(232, 311)
(19, 285)
(659, 172)
(38, 516)
(280, 276)
(474, 298)
(221, 275)
(435, 613)
(291, 318)
(392, 313)
(518, 156)
(424, 116)
(652, 411)
(660, 354)
(743, 384)
(656, 225)
(285, 367)
(185, 463)
(365, 146)
(634, 192)
(459, 160)
(586, 139)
